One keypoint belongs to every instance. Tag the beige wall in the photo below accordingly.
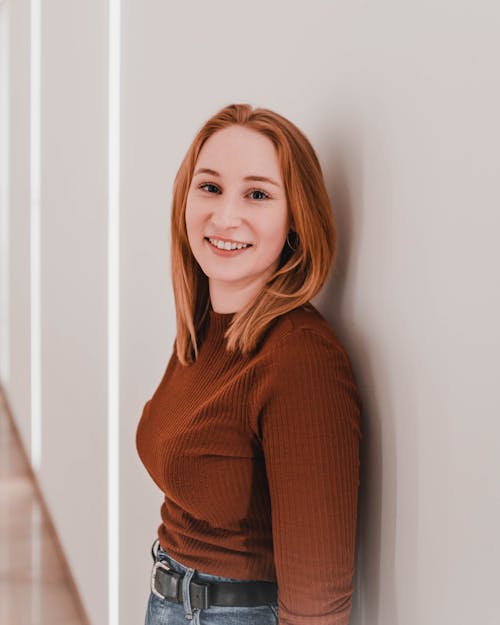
(74, 286)
(401, 103)
(73, 274)
(16, 372)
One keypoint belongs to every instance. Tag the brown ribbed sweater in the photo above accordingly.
(258, 458)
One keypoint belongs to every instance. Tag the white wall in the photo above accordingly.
(17, 364)
(73, 262)
(4, 192)
(74, 287)
(401, 103)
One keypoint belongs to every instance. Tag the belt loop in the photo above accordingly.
(154, 554)
(188, 609)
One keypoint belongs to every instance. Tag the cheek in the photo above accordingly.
(192, 217)
(272, 244)
(274, 230)
(280, 234)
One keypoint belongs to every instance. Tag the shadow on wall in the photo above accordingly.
(375, 577)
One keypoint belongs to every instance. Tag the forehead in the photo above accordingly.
(237, 152)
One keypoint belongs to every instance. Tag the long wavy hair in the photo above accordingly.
(305, 260)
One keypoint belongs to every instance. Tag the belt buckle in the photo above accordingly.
(157, 565)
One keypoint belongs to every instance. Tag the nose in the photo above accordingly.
(227, 213)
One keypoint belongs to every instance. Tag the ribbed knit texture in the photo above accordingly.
(258, 458)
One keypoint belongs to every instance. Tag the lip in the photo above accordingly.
(214, 236)
(226, 253)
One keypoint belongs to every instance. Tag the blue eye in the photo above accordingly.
(264, 195)
(207, 184)
(259, 191)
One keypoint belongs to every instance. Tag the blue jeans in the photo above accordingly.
(164, 612)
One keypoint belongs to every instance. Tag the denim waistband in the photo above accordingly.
(162, 555)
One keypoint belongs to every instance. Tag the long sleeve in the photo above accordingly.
(310, 430)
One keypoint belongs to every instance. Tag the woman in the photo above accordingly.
(253, 432)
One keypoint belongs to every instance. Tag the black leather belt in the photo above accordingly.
(167, 584)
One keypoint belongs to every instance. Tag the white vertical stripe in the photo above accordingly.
(113, 309)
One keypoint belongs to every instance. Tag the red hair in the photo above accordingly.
(303, 268)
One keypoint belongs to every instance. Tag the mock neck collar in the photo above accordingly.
(219, 320)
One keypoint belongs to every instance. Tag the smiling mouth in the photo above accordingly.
(227, 245)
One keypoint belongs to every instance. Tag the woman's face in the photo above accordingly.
(228, 205)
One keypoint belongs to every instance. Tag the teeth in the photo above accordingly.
(226, 245)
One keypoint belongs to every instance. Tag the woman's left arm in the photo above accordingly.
(310, 428)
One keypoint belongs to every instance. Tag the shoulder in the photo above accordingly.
(299, 329)
(303, 363)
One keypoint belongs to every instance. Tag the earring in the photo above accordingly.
(289, 244)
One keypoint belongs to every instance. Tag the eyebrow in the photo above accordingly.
(212, 172)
